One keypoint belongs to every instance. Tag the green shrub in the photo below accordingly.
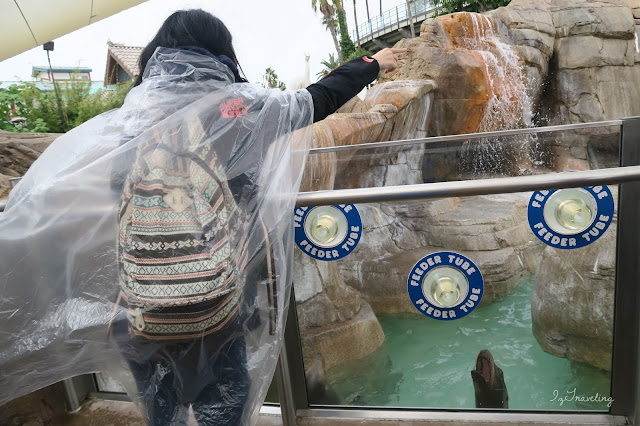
(346, 44)
(40, 108)
(445, 7)
(357, 53)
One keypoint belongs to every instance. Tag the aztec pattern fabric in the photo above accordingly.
(178, 226)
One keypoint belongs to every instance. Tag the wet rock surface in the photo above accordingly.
(394, 111)
(577, 61)
(573, 300)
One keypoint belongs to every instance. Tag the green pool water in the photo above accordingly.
(427, 363)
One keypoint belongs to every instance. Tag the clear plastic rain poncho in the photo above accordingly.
(61, 308)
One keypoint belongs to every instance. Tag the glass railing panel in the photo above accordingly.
(453, 158)
(272, 393)
(105, 383)
(545, 315)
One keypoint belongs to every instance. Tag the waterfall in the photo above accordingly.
(509, 105)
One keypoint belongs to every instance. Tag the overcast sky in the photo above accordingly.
(272, 34)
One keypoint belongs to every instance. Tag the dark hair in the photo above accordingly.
(193, 27)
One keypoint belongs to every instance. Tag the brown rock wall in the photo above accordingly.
(17, 152)
(340, 342)
(572, 303)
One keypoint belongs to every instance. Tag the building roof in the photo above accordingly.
(126, 57)
(35, 69)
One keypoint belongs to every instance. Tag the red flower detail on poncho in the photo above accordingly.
(233, 108)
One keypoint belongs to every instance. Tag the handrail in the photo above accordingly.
(392, 17)
(462, 188)
(468, 136)
(470, 187)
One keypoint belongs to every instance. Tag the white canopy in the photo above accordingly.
(30, 23)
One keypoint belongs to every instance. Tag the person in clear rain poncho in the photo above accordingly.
(154, 242)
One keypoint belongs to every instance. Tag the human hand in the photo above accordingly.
(387, 58)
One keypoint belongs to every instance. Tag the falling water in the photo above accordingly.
(508, 106)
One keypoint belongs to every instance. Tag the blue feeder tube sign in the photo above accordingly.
(445, 285)
(571, 218)
(327, 232)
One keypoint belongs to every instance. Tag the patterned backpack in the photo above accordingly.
(179, 233)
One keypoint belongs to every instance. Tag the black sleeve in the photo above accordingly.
(342, 84)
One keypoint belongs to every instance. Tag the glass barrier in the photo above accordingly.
(107, 384)
(544, 312)
(461, 157)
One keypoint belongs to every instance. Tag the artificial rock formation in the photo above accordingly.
(543, 62)
(391, 111)
(17, 152)
(594, 74)
(480, 87)
(557, 61)
(573, 301)
(336, 320)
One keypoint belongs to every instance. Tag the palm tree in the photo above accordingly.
(355, 18)
(270, 80)
(329, 65)
(327, 8)
(413, 31)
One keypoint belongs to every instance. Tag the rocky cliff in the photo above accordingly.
(17, 152)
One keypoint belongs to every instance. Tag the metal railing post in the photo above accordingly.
(624, 371)
(292, 389)
(77, 389)
(285, 394)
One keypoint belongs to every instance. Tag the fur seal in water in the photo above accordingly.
(488, 381)
(317, 390)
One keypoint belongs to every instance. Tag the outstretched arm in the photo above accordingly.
(348, 80)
